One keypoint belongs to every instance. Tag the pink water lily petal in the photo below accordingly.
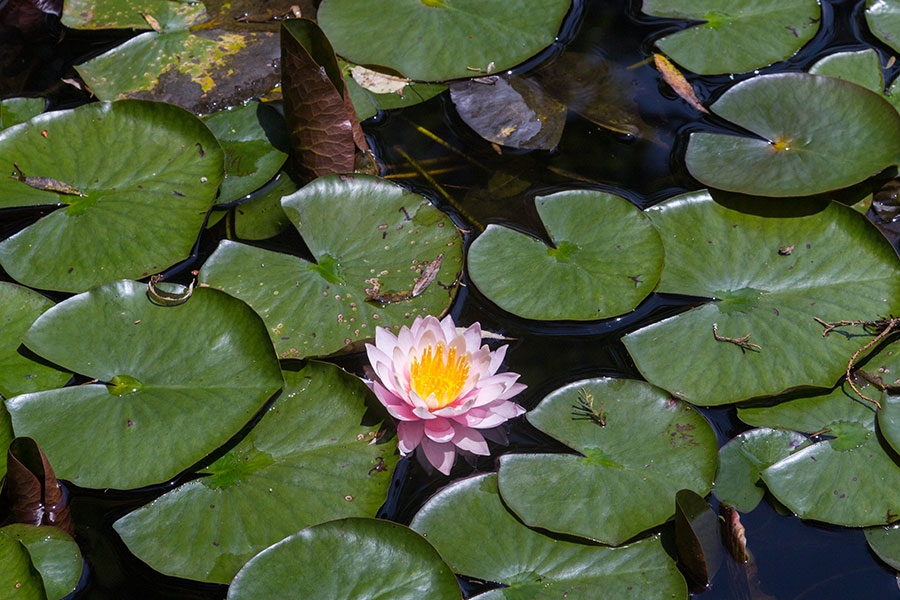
(441, 456)
(439, 430)
(409, 435)
(394, 405)
(470, 440)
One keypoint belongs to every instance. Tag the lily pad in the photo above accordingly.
(387, 561)
(322, 125)
(129, 14)
(633, 441)
(862, 67)
(738, 483)
(182, 378)
(367, 103)
(6, 436)
(53, 554)
(308, 460)
(847, 478)
(697, 538)
(735, 36)
(18, 573)
(606, 257)
(200, 71)
(437, 40)
(885, 543)
(772, 269)
(802, 147)
(883, 18)
(18, 110)
(146, 200)
(374, 245)
(20, 372)
(262, 216)
(251, 158)
(492, 545)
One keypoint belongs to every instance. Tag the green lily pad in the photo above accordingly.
(862, 67)
(180, 378)
(367, 103)
(307, 461)
(53, 554)
(19, 372)
(146, 200)
(735, 36)
(885, 543)
(738, 482)
(390, 562)
(18, 110)
(802, 147)
(847, 478)
(6, 436)
(365, 234)
(492, 545)
(883, 18)
(773, 269)
(200, 71)
(128, 14)
(634, 441)
(437, 40)
(883, 369)
(262, 216)
(18, 573)
(606, 257)
(251, 159)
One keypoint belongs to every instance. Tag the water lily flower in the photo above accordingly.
(442, 387)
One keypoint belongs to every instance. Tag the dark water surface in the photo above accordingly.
(793, 559)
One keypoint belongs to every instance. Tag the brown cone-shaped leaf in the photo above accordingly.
(322, 124)
(32, 492)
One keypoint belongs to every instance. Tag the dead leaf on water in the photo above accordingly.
(376, 82)
(672, 76)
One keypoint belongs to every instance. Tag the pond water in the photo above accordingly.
(793, 559)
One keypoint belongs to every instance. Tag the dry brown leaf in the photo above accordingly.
(672, 76)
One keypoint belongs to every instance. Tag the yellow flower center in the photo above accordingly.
(432, 373)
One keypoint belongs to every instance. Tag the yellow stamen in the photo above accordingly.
(431, 374)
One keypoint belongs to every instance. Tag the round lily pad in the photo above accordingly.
(744, 456)
(174, 383)
(201, 69)
(382, 561)
(308, 460)
(18, 573)
(862, 67)
(146, 200)
(606, 257)
(847, 478)
(250, 158)
(54, 556)
(633, 441)
(19, 371)
(735, 36)
(437, 40)
(383, 256)
(492, 545)
(772, 270)
(262, 216)
(802, 147)
(18, 110)
(129, 14)
(883, 18)
(885, 543)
